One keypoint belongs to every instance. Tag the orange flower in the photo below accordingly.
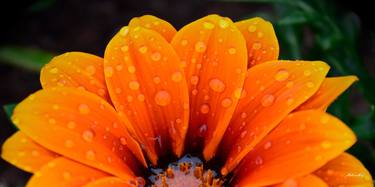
(213, 89)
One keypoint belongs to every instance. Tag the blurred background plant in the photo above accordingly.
(306, 29)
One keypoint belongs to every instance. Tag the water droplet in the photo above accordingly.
(119, 67)
(184, 42)
(200, 47)
(156, 80)
(307, 73)
(125, 48)
(289, 101)
(252, 28)
(202, 129)
(176, 76)
(310, 84)
(232, 51)
(217, 85)
(83, 109)
(124, 31)
(143, 49)
(131, 69)
(108, 71)
(326, 144)
(289, 84)
(68, 143)
(141, 97)
(67, 175)
(90, 70)
(223, 23)
(267, 100)
(194, 80)
(71, 125)
(257, 45)
(243, 134)
(156, 56)
(267, 145)
(227, 102)
(258, 160)
(90, 155)
(205, 108)
(88, 135)
(133, 85)
(123, 141)
(281, 75)
(54, 70)
(208, 25)
(162, 98)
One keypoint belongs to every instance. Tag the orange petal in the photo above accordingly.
(303, 142)
(24, 153)
(112, 182)
(80, 126)
(330, 89)
(345, 170)
(305, 181)
(271, 91)
(75, 69)
(261, 40)
(62, 172)
(148, 88)
(154, 23)
(214, 53)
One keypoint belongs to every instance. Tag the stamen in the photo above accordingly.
(188, 171)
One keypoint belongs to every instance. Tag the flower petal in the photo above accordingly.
(305, 181)
(75, 69)
(24, 153)
(271, 91)
(330, 89)
(261, 40)
(154, 23)
(303, 142)
(148, 88)
(80, 126)
(345, 170)
(214, 53)
(62, 172)
(112, 182)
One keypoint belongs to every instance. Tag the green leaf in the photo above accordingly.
(9, 111)
(28, 58)
(296, 17)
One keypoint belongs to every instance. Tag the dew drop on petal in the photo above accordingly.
(204, 108)
(54, 70)
(90, 155)
(133, 85)
(289, 84)
(223, 23)
(281, 75)
(176, 76)
(258, 160)
(156, 80)
(227, 102)
(257, 45)
(232, 51)
(310, 84)
(194, 80)
(141, 97)
(156, 56)
(307, 73)
(108, 71)
(123, 141)
(252, 28)
(267, 100)
(202, 129)
(88, 135)
(143, 49)
(131, 69)
(217, 85)
(208, 25)
(162, 98)
(267, 145)
(90, 70)
(83, 109)
(200, 47)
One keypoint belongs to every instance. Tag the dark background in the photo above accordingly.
(72, 25)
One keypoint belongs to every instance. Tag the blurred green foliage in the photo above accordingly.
(320, 30)
(28, 58)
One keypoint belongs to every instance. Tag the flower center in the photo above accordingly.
(188, 171)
